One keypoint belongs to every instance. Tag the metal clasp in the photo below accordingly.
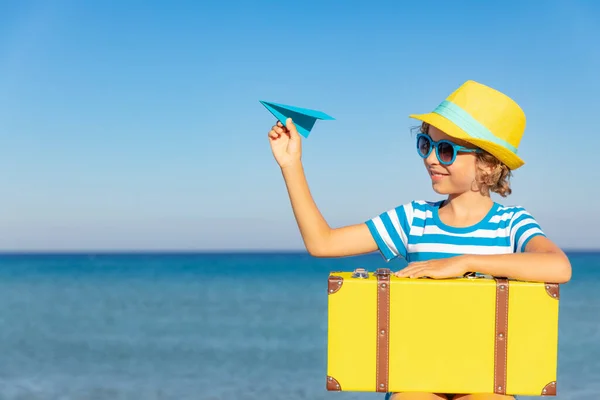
(475, 275)
(360, 273)
(383, 272)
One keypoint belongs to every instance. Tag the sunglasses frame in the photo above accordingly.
(457, 148)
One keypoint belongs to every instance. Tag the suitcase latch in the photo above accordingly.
(383, 272)
(360, 273)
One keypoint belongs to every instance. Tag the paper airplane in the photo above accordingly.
(303, 118)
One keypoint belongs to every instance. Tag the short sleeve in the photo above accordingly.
(391, 230)
(523, 228)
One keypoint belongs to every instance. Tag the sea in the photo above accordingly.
(211, 326)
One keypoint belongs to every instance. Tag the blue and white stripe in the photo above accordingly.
(415, 232)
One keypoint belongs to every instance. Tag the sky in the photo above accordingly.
(136, 125)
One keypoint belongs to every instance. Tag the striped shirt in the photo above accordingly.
(415, 232)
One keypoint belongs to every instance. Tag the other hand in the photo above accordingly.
(285, 143)
(441, 268)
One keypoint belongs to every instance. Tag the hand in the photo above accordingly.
(441, 268)
(285, 143)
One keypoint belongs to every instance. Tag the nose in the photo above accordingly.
(432, 158)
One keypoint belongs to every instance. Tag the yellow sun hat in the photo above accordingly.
(483, 117)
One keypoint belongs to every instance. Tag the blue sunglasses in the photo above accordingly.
(444, 149)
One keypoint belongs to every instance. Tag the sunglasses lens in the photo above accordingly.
(446, 152)
(423, 145)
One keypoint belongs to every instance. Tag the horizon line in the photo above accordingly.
(203, 251)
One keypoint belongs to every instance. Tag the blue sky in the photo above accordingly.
(137, 125)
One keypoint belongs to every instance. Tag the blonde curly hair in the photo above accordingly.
(497, 181)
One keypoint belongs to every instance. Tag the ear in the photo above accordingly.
(485, 167)
(484, 176)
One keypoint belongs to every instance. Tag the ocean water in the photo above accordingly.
(210, 326)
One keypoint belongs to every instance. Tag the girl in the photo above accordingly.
(469, 148)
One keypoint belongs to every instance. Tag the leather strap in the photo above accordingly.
(383, 324)
(501, 339)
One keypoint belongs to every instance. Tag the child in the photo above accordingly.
(469, 148)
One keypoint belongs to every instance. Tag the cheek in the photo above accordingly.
(464, 169)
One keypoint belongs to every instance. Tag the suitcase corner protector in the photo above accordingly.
(553, 290)
(334, 283)
(333, 384)
(549, 389)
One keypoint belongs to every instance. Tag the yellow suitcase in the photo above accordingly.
(462, 335)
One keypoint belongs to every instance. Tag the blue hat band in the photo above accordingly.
(470, 125)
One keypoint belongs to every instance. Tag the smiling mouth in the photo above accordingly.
(437, 174)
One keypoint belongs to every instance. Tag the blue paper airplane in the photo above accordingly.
(303, 118)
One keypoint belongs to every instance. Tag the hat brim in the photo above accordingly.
(511, 160)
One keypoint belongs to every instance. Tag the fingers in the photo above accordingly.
(277, 130)
(415, 270)
(414, 273)
(410, 269)
(410, 273)
(291, 127)
(423, 272)
(273, 134)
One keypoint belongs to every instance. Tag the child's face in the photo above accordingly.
(456, 178)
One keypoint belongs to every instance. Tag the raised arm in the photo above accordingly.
(319, 238)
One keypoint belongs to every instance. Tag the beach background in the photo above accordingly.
(147, 245)
(249, 326)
